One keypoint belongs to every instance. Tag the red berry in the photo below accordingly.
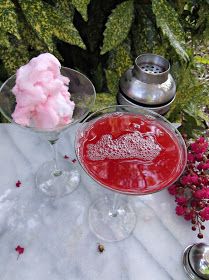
(193, 228)
(202, 227)
(200, 235)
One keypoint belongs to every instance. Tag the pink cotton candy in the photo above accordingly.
(42, 96)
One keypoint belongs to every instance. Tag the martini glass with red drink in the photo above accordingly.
(131, 151)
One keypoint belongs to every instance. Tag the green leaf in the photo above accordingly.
(103, 100)
(191, 96)
(112, 81)
(144, 30)
(118, 26)
(66, 7)
(167, 20)
(14, 57)
(4, 41)
(191, 125)
(119, 61)
(81, 6)
(8, 18)
(202, 60)
(48, 22)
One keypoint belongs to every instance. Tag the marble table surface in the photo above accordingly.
(55, 232)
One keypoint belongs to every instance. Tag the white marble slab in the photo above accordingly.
(55, 233)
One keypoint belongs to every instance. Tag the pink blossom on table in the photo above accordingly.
(190, 179)
(205, 213)
(200, 194)
(188, 215)
(201, 139)
(180, 210)
(191, 157)
(191, 191)
(199, 147)
(172, 189)
(199, 156)
(181, 200)
(42, 96)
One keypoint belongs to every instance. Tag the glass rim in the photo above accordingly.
(183, 159)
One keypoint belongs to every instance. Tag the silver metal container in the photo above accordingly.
(148, 84)
(196, 261)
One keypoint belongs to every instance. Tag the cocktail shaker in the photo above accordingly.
(148, 84)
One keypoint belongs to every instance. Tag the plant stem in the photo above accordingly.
(57, 171)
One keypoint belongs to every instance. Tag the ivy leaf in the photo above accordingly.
(81, 6)
(167, 20)
(48, 22)
(118, 26)
(8, 18)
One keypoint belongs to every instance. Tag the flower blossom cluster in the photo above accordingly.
(191, 191)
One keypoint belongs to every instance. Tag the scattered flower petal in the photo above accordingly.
(20, 250)
(18, 184)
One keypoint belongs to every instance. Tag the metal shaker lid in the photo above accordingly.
(151, 68)
(148, 82)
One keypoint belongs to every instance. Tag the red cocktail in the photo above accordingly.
(131, 154)
(130, 150)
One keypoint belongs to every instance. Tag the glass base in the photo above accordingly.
(108, 224)
(57, 183)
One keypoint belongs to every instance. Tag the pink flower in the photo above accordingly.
(191, 157)
(188, 215)
(172, 189)
(189, 179)
(199, 157)
(201, 140)
(206, 193)
(180, 210)
(181, 200)
(200, 194)
(205, 166)
(205, 213)
(197, 147)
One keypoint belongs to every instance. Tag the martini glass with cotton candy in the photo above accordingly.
(47, 98)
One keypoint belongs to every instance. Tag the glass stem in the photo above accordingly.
(57, 171)
(114, 210)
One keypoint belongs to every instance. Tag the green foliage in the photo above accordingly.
(47, 22)
(102, 39)
(81, 6)
(119, 61)
(167, 20)
(118, 26)
(104, 99)
(8, 19)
